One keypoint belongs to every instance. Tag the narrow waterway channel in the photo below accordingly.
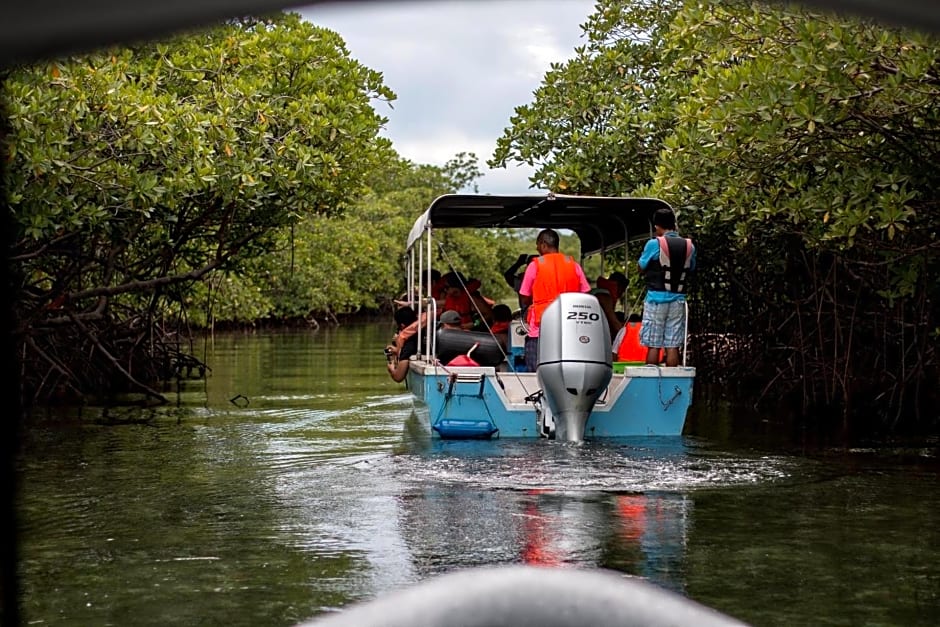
(298, 478)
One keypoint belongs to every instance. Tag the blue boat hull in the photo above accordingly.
(480, 402)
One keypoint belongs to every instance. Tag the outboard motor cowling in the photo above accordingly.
(574, 361)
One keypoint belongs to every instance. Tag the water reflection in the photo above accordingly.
(325, 488)
(547, 503)
(623, 504)
(639, 534)
(383, 521)
(435, 506)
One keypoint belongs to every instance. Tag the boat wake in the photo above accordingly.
(621, 465)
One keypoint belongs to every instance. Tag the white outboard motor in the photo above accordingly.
(574, 361)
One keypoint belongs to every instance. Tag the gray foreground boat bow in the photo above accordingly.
(529, 596)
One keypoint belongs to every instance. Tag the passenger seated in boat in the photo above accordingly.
(502, 317)
(607, 305)
(398, 355)
(409, 331)
(615, 284)
(437, 290)
(463, 296)
(438, 285)
(626, 345)
(450, 319)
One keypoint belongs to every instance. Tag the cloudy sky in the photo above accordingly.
(459, 68)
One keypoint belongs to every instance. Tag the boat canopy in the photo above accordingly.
(600, 222)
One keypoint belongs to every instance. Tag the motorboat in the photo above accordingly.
(576, 392)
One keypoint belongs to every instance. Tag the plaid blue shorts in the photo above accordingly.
(663, 325)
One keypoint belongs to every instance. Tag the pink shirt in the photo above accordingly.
(526, 290)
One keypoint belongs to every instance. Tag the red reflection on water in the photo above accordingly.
(540, 548)
(632, 516)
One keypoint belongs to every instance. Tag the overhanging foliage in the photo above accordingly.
(134, 172)
(802, 152)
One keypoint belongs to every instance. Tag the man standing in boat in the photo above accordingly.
(550, 274)
(666, 262)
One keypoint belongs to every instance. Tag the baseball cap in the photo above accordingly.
(450, 317)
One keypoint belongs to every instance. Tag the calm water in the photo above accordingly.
(299, 478)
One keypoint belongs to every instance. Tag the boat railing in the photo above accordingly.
(430, 339)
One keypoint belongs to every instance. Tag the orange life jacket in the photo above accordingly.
(500, 327)
(630, 347)
(409, 331)
(557, 274)
(461, 302)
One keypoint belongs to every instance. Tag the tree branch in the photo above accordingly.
(94, 340)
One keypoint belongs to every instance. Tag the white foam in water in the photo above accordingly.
(590, 466)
